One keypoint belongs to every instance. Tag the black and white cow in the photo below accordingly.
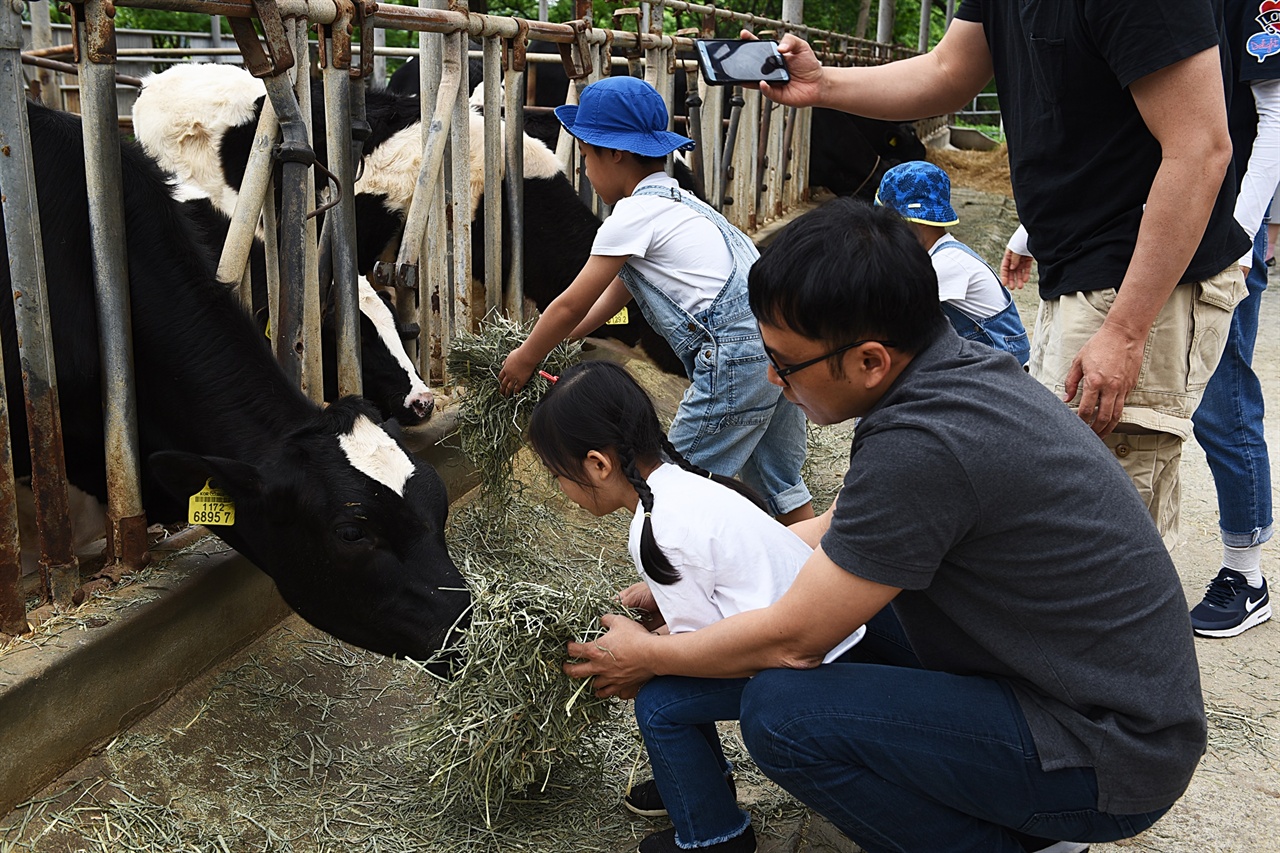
(328, 503)
(201, 139)
(185, 119)
(390, 380)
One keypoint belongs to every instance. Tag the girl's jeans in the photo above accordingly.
(676, 717)
(1228, 422)
(901, 758)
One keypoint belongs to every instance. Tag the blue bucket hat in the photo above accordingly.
(919, 192)
(625, 113)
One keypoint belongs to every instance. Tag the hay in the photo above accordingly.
(509, 717)
(490, 424)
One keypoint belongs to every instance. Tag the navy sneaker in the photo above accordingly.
(643, 799)
(1230, 606)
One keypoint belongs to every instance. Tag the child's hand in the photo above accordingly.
(516, 371)
(638, 596)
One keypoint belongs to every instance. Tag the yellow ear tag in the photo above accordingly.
(211, 506)
(622, 318)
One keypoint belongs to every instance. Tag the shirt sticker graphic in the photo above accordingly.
(1267, 42)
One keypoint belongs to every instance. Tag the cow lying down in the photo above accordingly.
(328, 503)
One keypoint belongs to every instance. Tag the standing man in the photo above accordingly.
(1228, 423)
(1119, 157)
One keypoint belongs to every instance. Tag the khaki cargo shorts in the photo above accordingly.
(1181, 354)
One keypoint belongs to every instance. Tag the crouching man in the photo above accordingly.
(1028, 680)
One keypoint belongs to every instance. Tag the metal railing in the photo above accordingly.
(753, 166)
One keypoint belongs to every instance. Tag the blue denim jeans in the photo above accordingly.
(905, 759)
(1228, 422)
(676, 718)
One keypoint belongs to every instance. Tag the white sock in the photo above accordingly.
(1246, 561)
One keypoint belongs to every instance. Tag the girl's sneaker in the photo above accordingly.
(643, 799)
(665, 842)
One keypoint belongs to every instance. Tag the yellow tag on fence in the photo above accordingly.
(622, 318)
(211, 506)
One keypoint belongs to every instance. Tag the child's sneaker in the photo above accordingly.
(644, 799)
(1230, 606)
(665, 842)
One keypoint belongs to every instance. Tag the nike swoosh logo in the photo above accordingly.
(1250, 604)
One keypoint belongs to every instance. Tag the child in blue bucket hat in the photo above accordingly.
(686, 267)
(972, 297)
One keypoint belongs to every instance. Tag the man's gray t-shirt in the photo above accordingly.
(1025, 554)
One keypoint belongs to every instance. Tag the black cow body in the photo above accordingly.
(347, 524)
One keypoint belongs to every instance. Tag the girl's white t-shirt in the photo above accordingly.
(966, 282)
(673, 246)
(731, 555)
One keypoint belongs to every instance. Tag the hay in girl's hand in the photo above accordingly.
(509, 716)
(491, 424)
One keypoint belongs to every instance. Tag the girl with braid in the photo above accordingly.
(706, 549)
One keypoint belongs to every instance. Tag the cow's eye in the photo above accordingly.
(349, 532)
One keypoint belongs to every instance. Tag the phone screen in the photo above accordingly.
(733, 61)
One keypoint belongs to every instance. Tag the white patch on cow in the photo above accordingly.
(182, 191)
(372, 306)
(372, 452)
(182, 114)
(391, 169)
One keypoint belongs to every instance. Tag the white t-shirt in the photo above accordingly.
(673, 246)
(730, 554)
(966, 282)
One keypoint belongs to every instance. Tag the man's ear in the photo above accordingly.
(876, 363)
(184, 474)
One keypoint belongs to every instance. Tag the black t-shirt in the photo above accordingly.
(1253, 46)
(1081, 157)
(1025, 554)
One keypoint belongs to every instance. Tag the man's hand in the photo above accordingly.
(807, 83)
(1108, 364)
(516, 371)
(1015, 269)
(613, 659)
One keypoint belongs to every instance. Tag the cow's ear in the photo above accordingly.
(184, 474)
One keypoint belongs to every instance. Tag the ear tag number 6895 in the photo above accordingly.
(211, 507)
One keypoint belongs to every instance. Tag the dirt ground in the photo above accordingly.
(299, 743)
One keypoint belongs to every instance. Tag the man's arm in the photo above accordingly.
(1184, 107)
(823, 606)
(1263, 173)
(935, 83)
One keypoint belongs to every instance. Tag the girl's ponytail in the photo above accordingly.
(652, 559)
(737, 485)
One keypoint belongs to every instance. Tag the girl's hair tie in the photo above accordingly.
(549, 377)
(648, 515)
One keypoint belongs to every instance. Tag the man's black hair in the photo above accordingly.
(845, 272)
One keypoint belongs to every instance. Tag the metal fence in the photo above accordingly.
(753, 166)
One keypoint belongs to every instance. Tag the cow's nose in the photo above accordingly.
(422, 404)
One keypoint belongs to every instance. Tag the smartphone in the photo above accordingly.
(725, 61)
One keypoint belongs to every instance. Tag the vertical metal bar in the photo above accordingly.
(775, 160)
(493, 168)
(926, 7)
(42, 37)
(337, 108)
(745, 177)
(58, 567)
(379, 62)
(18, 183)
(126, 521)
(712, 139)
(253, 189)
(435, 309)
(312, 358)
(464, 313)
(270, 238)
(514, 83)
(294, 152)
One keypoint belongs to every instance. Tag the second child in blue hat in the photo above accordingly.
(972, 297)
(686, 266)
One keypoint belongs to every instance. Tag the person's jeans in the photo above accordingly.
(676, 716)
(900, 758)
(1228, 422)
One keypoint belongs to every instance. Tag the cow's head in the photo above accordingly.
(349, 526)
(390, 380)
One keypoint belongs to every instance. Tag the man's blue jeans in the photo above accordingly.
(905, 759)
(1228, 422)
(676, 718)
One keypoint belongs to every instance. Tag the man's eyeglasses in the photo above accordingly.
(785, 370)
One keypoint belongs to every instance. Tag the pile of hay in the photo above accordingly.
(509, 718)
(491, 425)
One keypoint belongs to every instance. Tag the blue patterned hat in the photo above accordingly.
(919, 192)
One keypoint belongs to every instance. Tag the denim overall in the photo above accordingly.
(1002, 330)
(731, 419)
